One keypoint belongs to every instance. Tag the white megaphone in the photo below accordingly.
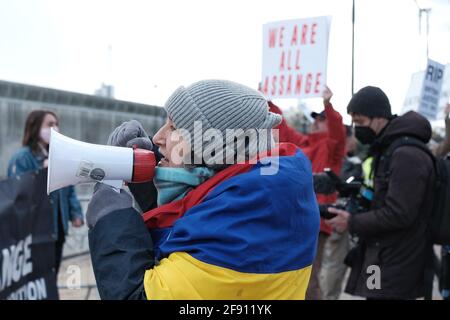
(71, 162)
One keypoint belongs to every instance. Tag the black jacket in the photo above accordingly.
(394, 233)
(120, 258)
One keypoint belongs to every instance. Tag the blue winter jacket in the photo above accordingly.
(24, 161)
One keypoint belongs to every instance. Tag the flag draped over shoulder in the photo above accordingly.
(239, 235)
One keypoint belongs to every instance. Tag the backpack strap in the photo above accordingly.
(385, 159)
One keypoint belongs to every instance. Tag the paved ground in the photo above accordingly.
(88, 289)
(67, 277)
(79, 268)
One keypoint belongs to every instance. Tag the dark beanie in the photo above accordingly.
(371, 102)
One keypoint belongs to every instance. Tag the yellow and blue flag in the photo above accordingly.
(239, 235)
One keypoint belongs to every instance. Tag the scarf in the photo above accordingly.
(174, 183)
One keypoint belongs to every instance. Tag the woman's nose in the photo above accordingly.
(158, 138)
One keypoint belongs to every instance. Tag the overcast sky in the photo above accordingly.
(159, 45)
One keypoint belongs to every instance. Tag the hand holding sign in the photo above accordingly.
(326, 95)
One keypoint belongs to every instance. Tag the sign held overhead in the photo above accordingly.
(295, 54)
(431, 90)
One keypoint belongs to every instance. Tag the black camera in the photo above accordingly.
(324, 213)
(354, 196)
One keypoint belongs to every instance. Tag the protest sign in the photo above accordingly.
(295, 54)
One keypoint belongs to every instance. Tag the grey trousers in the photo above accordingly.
(333, 269)
(314, 292)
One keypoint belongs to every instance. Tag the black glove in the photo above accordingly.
(106, 200)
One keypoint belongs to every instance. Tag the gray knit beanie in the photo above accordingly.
(219, 105)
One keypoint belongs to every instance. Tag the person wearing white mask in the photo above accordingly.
(33, 157)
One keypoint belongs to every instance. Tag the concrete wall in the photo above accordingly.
(82, 123)
(82, 117)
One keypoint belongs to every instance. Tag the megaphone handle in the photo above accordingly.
(117, 184)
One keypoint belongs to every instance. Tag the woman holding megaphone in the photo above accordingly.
(33, 156)
(235, 215)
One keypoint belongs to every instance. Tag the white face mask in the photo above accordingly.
(45, 134)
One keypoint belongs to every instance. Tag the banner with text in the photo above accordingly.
(295, 54)
(26, 245)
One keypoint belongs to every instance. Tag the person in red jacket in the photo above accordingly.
(325, 147)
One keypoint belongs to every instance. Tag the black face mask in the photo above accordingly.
(365, 135)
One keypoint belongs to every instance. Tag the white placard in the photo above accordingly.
(295, 54)
(431, 90)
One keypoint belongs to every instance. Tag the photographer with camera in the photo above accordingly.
(393, 236)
